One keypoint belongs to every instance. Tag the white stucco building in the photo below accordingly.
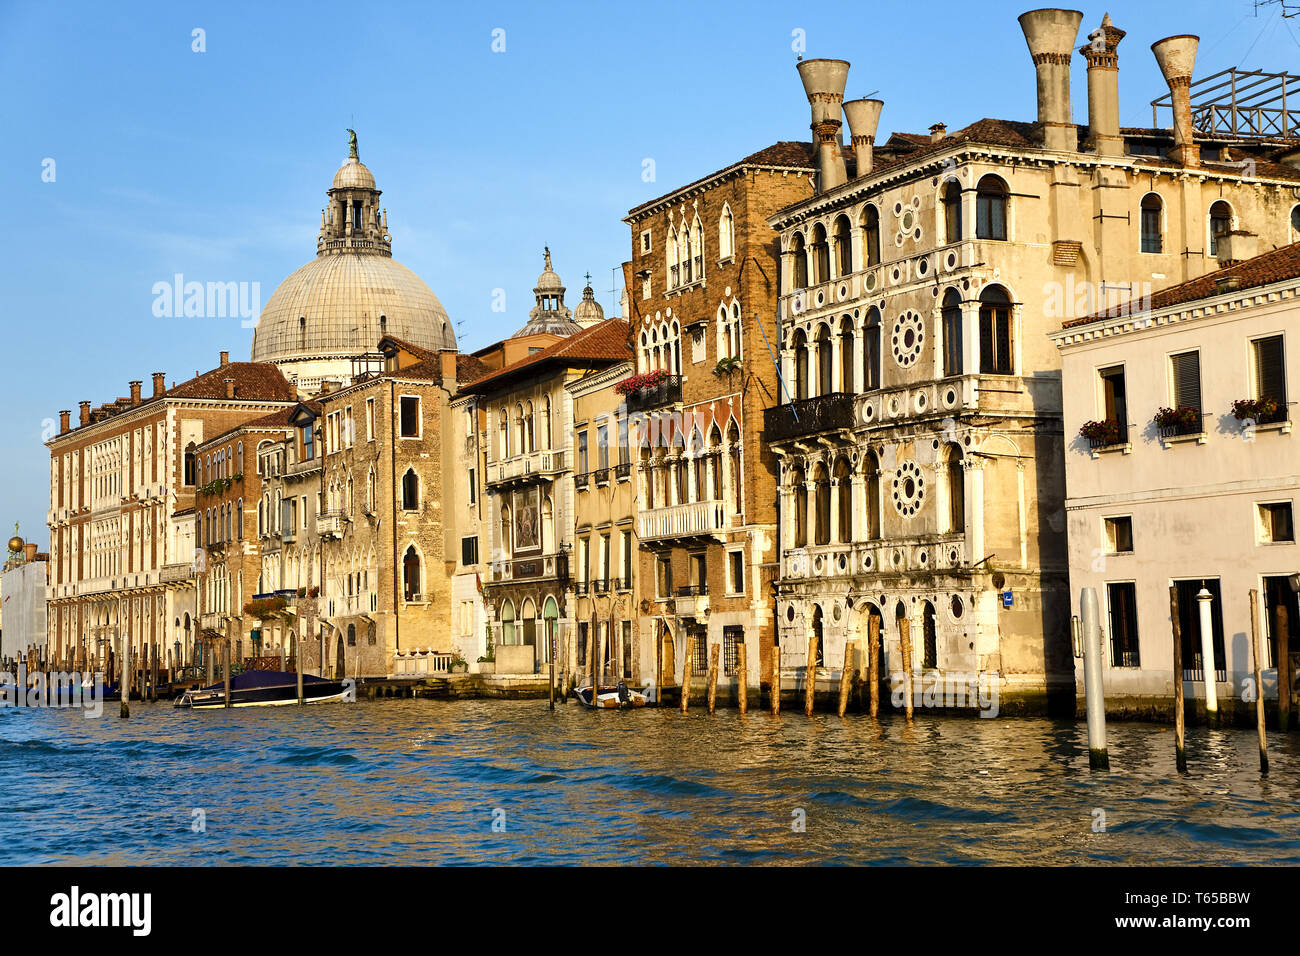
(1207, 502)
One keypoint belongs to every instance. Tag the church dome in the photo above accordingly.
(337, 307)
(550, 315)
(588, 312)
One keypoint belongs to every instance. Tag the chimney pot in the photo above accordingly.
(159, 383)
(1176, 57)
(937, 132)
(85, 412)
(64, 415)
(29, 551)
(1102, 53)
(864, 117)
(1050, 34)
(823, 82)
(225, 358)
(135, 391)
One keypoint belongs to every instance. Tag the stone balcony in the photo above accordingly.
(522, 469)
(695, 519)
(299, 468)
(941, 552)
(330, 524)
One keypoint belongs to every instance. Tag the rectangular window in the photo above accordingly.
(602, 447)
(1119, 535)
(699, 649)
(645, 242)
(469, 551)
(1122, 601)
(736, 572)
(349, 428)
(626, 545)
(952, 348)
(308, 444)
(410, 416)
(627, 648)
(584, 559)
(1185, 380)
(995, 339)
(582, 453)
(606, 559)
(1114, 397)
(733, 636)
(1270, 376)
(1275, 525)
(473, 487)
(700, 572)
(663, 576)
(370, 419)
(582, 643)
(624, 452)
(1189, 621)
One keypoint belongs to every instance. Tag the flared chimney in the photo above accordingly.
(1177, 56)
(823, 81)
(135, 391)
(1050, 34)
(1103, 88)
(864, 117)
(64, 415)
(85, 412)
(159, 383)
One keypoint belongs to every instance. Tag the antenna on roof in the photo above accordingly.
(613, 288)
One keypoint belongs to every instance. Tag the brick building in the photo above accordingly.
(702, 292)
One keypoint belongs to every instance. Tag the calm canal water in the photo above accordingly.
(407, 782)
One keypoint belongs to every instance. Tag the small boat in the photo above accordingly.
(264, 689)
(612, 697)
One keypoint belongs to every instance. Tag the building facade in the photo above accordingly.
(920, 425)
(702, 301)
(1202, 501)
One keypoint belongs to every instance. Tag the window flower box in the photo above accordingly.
(1173, 422)
(1100, 434)
(645, 380)
(1261, 411)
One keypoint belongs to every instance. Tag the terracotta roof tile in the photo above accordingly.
(1275, 266)
(254, 381)
(605, 342)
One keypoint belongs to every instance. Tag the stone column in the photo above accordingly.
(857, 497)
(837, 362)
(834, 492)
(810, 527)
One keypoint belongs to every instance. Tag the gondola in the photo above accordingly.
(264, 689)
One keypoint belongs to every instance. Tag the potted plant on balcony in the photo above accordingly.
(266, 609)
(1100, 434)
(458, 665)
(1256, 409)
(641, 382)
(727, 365)
(1182, 420)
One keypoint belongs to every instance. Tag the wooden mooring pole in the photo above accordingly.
(873, 662)
(713, 676)
(905, 648)
(686, 676)
(123, 683)
(550, 653)
(225, 667)
(1180, 720)
(742, 677)
(775, 685)
(1259, 683)
(846, 675)
(1283, 668)
(810, 676)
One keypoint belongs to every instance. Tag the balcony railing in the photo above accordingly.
(692, 590)
(601, 476)
(302, 467)
(682, 521)
(580, 482)
(809, 416)
(580, 588)
(623, 471)
(172, 573)
(330, 523)
(665, 393)
(542, 566)
(600, 586)
(534, 466)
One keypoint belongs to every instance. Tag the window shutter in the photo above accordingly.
(1270, 381)
(1187, 380)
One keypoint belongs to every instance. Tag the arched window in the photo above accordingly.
(191, 466)
(954, 489)
(929, 639)
(1220, 224)
(950, 315)
(870, 236)
(800, 349)
(370, 492)
(871, 351)
(951, 201)
(507, 623)
(505, 529)
(726, 234)
(799, 260)
(848, 359)
(821, 255)
(825, 360)
(799, 524)
(411, 583)
(687, 242)
(528, 622)
(991, 208)
(239, 519)
(1152, 240)
(996, 340)
(671, 257)
(843, 247)
(735, 499)
(546, 421)
(1295, 223)
(531, 424)
(521, 443)
(410, 490)
(822, 490)
(548, 526)
(503, 426)
(697, 249)
(844, 501)
(818, 629)
(871, 472)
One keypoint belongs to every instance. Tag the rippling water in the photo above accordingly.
(418, 781)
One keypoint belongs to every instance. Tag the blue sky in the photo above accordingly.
(214, 164)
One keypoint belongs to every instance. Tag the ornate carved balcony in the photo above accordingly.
(808, 416)
(698, 518)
